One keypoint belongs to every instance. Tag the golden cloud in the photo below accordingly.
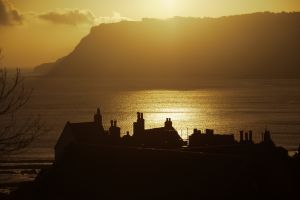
(9, 15)
(69, 17)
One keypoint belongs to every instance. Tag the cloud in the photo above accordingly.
(9, 15)
(78, 17)
(115, 18)
(69, 17)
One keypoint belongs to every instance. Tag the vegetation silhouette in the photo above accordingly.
(16, 133)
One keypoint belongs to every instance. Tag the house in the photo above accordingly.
(114, 133)
(163, 137)
(81, 133)
(246, 137)
(209, 138)
(93, 133)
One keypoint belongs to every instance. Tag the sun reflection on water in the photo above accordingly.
(182, 107)
(227, 110)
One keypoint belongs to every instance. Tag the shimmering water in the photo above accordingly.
(226, 106)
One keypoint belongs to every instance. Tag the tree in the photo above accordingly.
(15, 135)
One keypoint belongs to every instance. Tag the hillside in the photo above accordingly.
(259, 45)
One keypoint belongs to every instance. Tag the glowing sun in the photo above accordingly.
(169, 4)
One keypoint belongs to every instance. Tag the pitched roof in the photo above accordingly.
(163, 132)
(160, 130)
(86, 132)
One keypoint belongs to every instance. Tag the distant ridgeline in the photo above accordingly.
(167, 137)
(259, 45)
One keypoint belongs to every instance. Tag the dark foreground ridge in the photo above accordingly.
(93, 163)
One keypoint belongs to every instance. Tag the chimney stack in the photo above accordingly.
(195, 131)
(241, 136)
(250, 136)
(168, 123)
(246, 137)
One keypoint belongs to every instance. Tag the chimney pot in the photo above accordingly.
(250, 136)
(247, 137)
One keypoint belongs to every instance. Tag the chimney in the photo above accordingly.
(115, 123)
(98, 117)
(241, 136)
(250, 136)
(247, 137)
(195, 131)
(111, 123)
(138, 115)
(267, 136)
(168, 123)
(142, 115)
(209, 131)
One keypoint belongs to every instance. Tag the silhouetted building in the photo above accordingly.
(267, 140)
(209, 138)
(98, 119)
(297, 154)
(139, 128)
(246, 137)
(127, 139)
(91, 133)
(163, 137)
(114, 133)
(87, 133)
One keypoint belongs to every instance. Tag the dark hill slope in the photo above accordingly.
(260, 45)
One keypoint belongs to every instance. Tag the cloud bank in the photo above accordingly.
(78, 17)
(115, 18)
(69, 17)
(9, 15)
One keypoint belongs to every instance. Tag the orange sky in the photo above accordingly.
(34, 32)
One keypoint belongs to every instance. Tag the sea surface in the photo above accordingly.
(227, 106)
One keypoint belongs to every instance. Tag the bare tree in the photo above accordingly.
(14, 135)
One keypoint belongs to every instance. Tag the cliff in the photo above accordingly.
(260, 45)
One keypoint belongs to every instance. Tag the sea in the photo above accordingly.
(227, 106)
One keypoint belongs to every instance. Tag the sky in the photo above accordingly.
(34, 32)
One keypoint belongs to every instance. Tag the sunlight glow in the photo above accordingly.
(169, 6)
(169, 3)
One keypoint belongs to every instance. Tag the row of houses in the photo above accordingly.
(93, 133)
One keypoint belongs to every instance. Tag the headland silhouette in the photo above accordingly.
(182, 49)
